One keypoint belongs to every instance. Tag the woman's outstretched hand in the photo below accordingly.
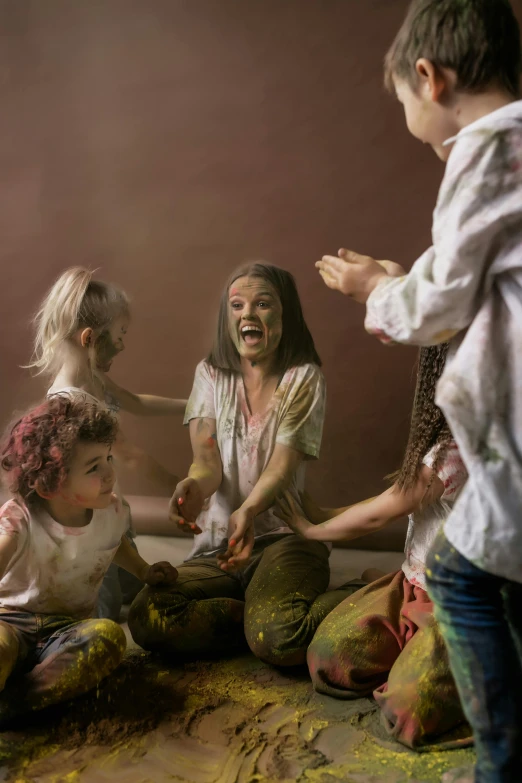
(240, 541)
(185, 505)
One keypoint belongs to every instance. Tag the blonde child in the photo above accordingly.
(455, 66)
(81, 328)
(383, 639)
(58, 535)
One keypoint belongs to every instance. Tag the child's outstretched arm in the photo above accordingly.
(157, 574)
(137, 460)
(315, 513)
(368, 516)
(144, 404)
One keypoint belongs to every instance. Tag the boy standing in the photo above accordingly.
(455, 67)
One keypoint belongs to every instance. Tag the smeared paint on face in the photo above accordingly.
(255, 319)
(110, 343)
(91, 477)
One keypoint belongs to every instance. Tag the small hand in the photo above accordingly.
(288, 510)
(162, 574)
(240, 541)
(351, 273)
(185, 505)
(311, 510)
(393, 269)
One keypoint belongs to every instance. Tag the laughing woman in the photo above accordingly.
(256, 415)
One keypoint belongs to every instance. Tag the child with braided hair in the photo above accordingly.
(383, 639)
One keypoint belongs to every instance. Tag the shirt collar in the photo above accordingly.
(489, 120)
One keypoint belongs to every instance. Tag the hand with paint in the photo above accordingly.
(288, 510)
(356, 275)
(161, 574)
(186, 504)
(240, 541)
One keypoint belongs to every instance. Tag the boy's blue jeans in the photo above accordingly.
(480, 617)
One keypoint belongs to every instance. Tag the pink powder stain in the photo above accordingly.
(74, 531)
(234, 292)
(74, 500)
(210, 441)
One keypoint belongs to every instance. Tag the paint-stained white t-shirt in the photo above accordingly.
(57, 569)
(467, 288)
(426, 523)
(246, 442)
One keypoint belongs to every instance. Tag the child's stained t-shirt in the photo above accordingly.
(110, 401)
(293, 418)
(57, 569)
(467, 289)
(425, 523)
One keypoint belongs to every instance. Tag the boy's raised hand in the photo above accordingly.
(355, 275)
(161, 574)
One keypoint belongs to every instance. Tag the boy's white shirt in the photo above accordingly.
(57, 569)
(467, 288)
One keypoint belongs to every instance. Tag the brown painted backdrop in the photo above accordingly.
(167, 141)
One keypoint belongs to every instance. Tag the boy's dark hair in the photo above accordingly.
(428, 424)
(36, 452)
(478, 39)
(296, 347)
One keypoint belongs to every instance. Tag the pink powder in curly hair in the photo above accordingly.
(38, 450)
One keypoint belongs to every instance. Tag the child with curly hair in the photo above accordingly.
(58, 536)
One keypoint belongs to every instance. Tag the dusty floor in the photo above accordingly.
(232, 721)
(235, 721)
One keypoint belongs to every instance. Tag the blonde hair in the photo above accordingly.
(75, 301)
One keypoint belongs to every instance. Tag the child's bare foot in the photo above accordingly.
(372, 574)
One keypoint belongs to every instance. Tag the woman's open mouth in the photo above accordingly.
(251, 334)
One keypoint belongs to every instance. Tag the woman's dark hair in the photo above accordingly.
(296, 347)
(478, 39)
(428, 425)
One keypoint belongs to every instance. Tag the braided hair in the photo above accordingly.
(428, 425)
